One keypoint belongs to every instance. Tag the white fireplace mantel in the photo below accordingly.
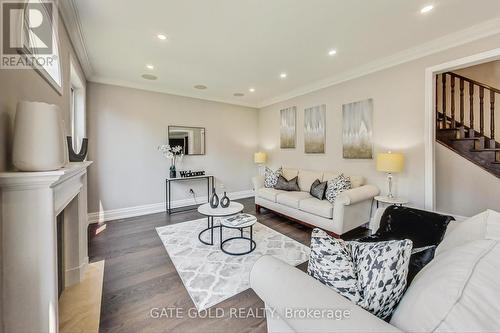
(29, 205)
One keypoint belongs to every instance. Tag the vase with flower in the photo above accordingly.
(174, 154)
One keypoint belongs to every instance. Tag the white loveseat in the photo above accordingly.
(350, 210)
(458, 291)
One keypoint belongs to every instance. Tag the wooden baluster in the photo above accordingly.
(481, 110)
(438, 123)
(443, 77)
(462, 102)
(471, 109)
(492, 124)
(452, 101)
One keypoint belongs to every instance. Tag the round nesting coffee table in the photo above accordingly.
(210, 213)
(224, 223)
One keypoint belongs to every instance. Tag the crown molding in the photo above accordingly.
(133, 85)
(475, 32)
(71, 21)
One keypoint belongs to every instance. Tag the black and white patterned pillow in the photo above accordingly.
(271, 177)
(372, 275)
(337, 185)
(382, 268)
(331, 263)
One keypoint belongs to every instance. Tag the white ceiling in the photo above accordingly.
(232, 45)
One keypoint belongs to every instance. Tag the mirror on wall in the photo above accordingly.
(191, 139)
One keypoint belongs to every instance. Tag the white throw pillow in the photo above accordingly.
(271, 177)
(485, 225)
(457, 291)
(372, 275)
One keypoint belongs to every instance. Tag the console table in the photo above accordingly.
(168, 184)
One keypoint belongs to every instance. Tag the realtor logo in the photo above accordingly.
(27, 33)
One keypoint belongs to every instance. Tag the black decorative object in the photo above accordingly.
(225, 201)
(214, 200)
(173, 173)
(189, 173)
(425, 229)
(74, 157)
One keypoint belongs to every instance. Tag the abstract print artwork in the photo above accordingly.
(314, 129)
(288, 119)
(358, 129)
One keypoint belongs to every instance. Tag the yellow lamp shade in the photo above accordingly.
(390, 162)
(260, 157)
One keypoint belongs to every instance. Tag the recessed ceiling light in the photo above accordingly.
(238, 94)
(161, 36)
(150, 67)
(426, 9)
(283, 75)
(251, 89)
(149, 77)
(332, 52)
(200, 87)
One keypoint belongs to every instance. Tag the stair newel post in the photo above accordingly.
(471, 109)
(452, 101)
(443, 96)
(492, 120)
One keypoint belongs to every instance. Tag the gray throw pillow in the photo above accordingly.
(372, 275)
(318, 189)
(336, 186)
(287, 185)
(271, 177)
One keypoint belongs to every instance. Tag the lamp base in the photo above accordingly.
(389, 180)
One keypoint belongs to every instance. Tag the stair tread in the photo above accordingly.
(463, 139)
(485, 149)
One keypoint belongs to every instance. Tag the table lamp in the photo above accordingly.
(260, 159)
(390, 163)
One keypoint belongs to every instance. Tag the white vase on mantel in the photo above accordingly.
(38, 143)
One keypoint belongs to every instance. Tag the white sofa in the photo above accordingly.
(458, 291)
(350, 210)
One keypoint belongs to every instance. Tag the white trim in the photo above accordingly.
(429, 135)
(72, 23)
(148, 87)
(482, 30)
(122, 213)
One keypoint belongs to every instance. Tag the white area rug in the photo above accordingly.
(211, 276)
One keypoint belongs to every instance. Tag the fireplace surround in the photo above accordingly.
(29, 205)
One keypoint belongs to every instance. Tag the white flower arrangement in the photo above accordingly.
(172, 153)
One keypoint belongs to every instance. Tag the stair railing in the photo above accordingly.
(448, 120)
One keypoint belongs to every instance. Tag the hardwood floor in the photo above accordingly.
(139, 276)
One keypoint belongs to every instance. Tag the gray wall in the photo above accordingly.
(125, 127)
(398, 95)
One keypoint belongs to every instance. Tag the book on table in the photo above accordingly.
(239, 219)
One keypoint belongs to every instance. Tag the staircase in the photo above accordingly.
(466, 125)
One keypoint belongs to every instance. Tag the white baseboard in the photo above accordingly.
(122, 213)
